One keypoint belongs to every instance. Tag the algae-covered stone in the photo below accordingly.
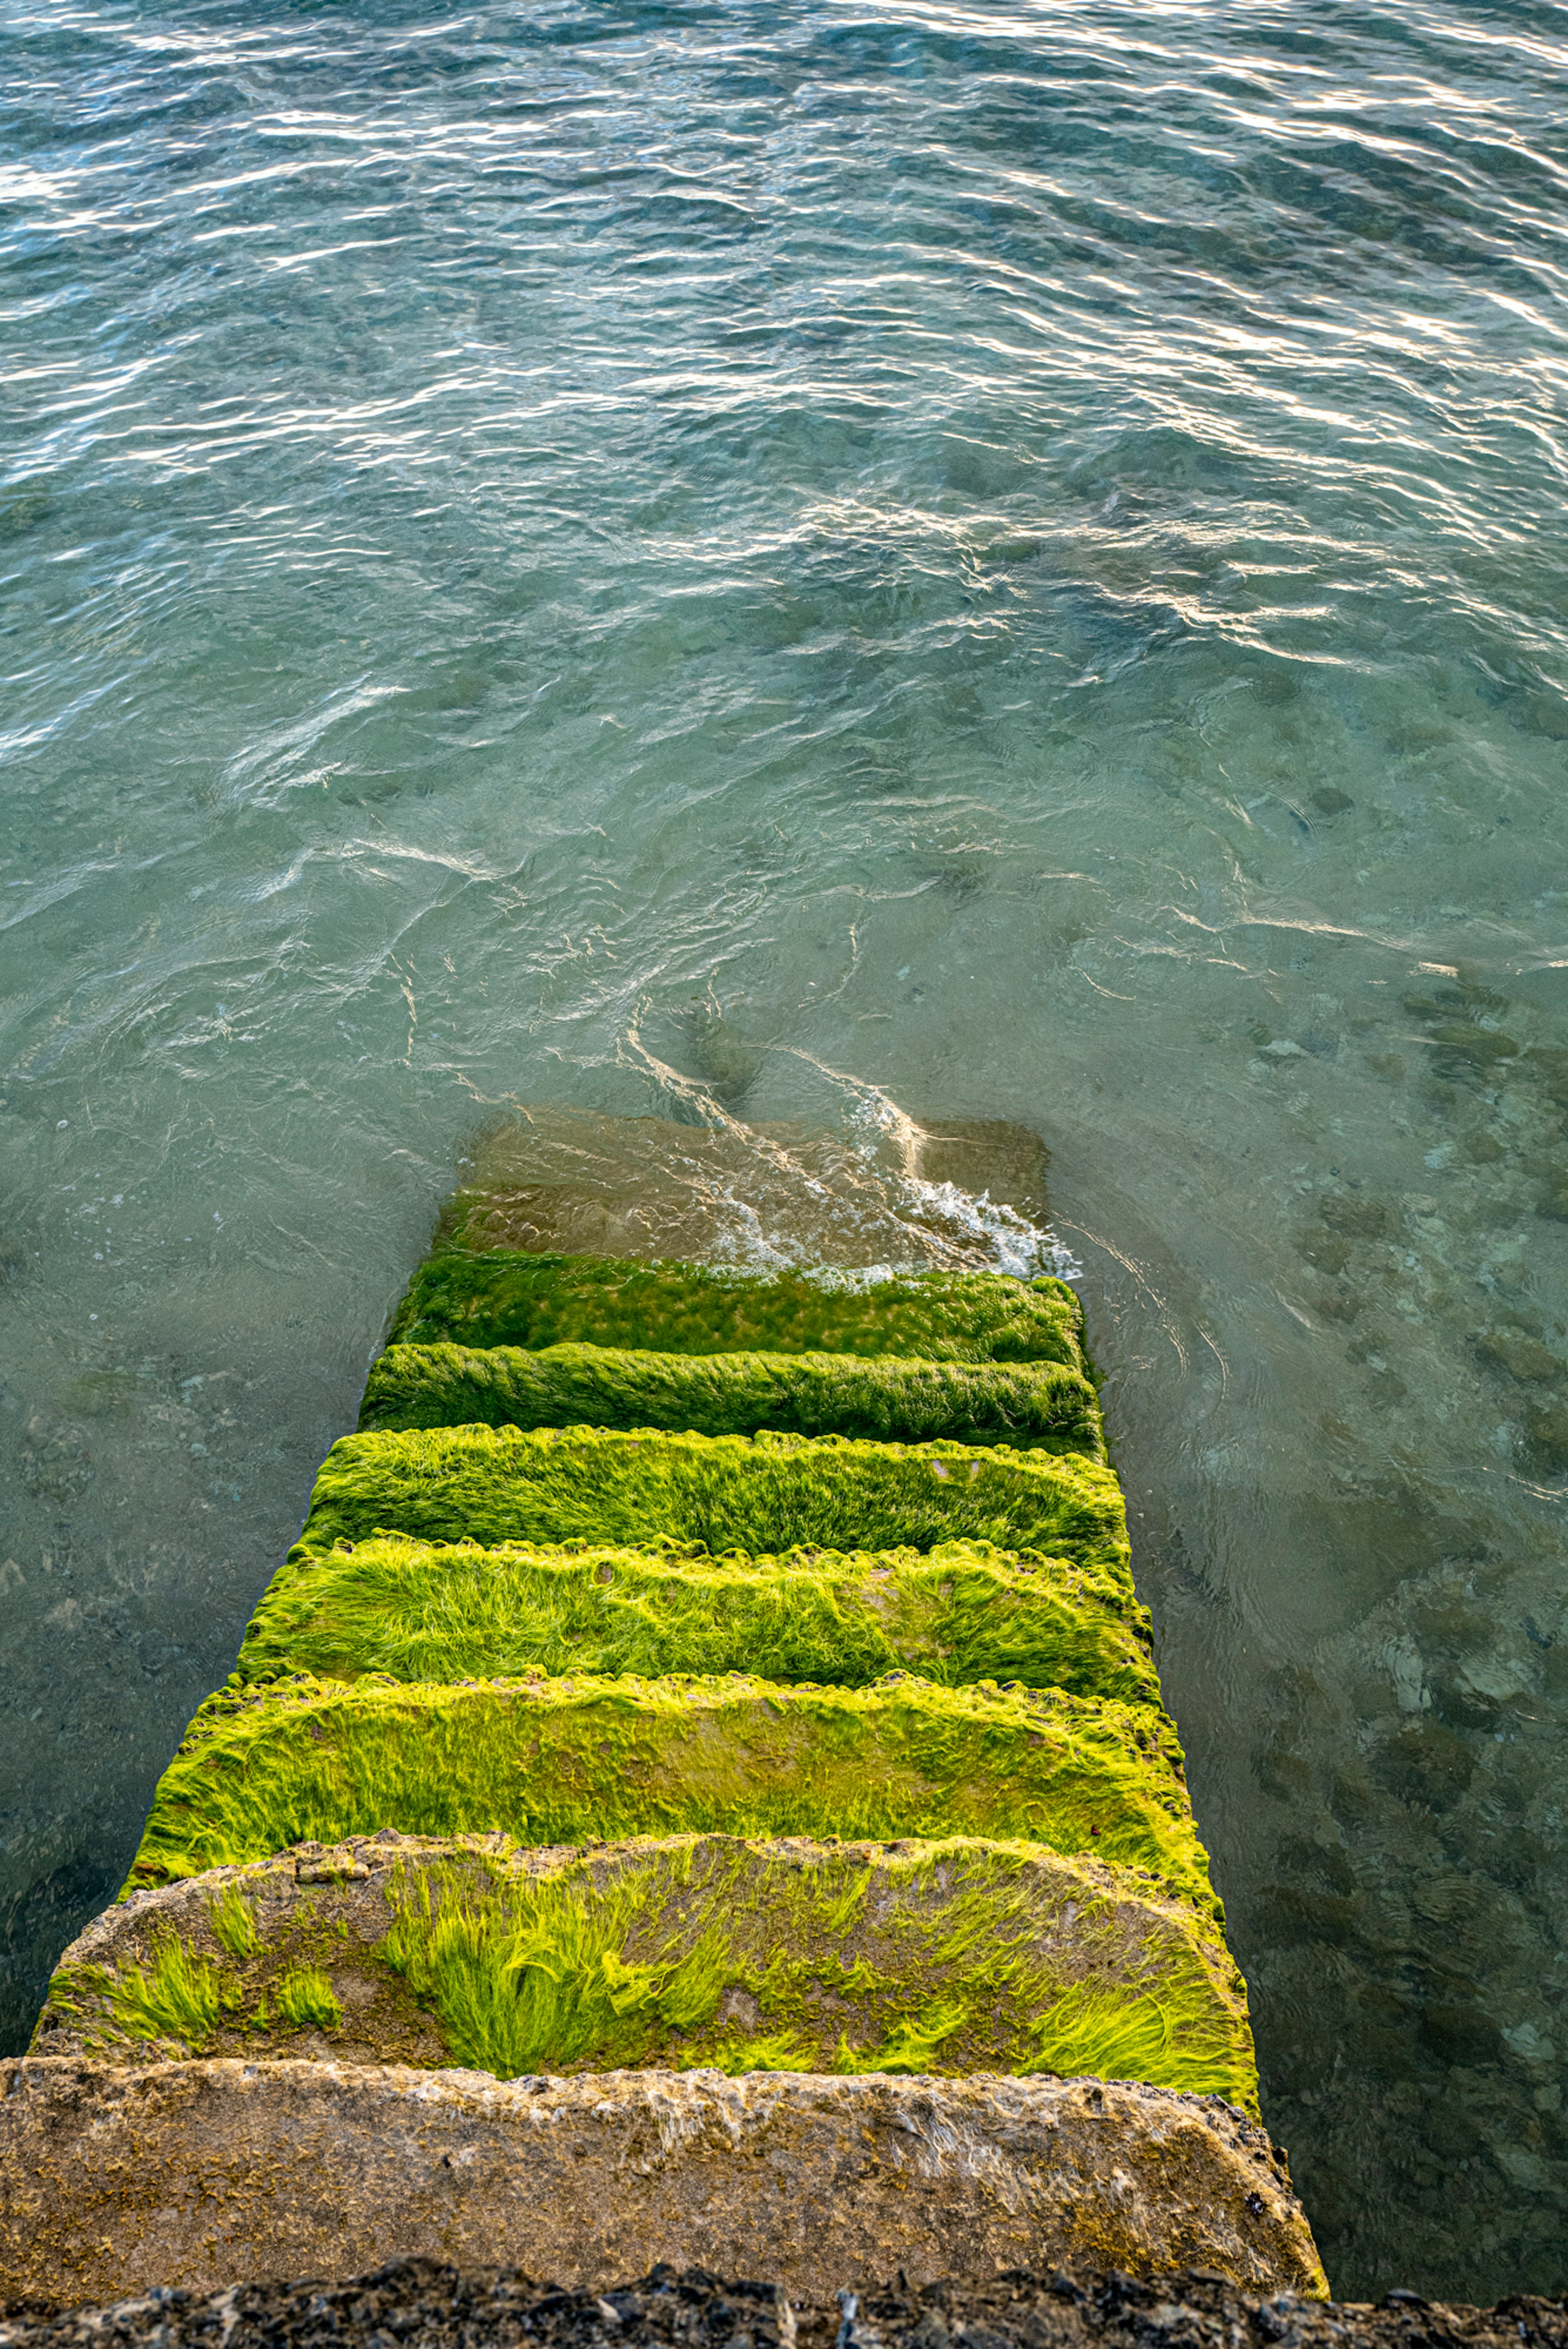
(889, 1399)
(502, 1298)
(934, 1956)
(208, 2174)
(552, 1761)
(716, 1492)
(965, 1612)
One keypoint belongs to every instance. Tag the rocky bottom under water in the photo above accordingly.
(421, 2305)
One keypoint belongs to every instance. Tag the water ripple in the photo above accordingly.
(838, 562)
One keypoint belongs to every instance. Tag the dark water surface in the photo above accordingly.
(1007, 561)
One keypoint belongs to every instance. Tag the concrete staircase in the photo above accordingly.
(697, 1790)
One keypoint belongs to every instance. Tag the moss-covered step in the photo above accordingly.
(950, 1956)
(717, 1493)
(554, 1761)
(1034, 1405)
(498, 1297)
(966, 1611)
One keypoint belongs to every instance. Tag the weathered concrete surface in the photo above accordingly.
(425, 2305)
(947, 1954)
(210, 2173)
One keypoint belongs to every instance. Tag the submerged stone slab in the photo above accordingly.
(554, 1761)
(1036, 1406)
(213, 2173)
(499, 1296)
(716, 1492)
(875, 1191)
(964, 1612)
(944, 1956)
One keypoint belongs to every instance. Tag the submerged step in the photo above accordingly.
(554, 1761)
(1043, 1406)
(966, 1611)
(943, 1956)
(503, 1298)
(717, 1493)
(211, 2173)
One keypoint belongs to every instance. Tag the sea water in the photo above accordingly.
(782, 568)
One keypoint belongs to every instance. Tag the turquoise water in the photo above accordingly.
(809, 563)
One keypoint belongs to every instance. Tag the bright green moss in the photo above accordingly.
(232, 1920)
(175, 2001)
(500, 1298)
(758, 1494)
(966, 1613)
(1028, 1405)
(951, 1957)
(304, 1997)
(552, 1761)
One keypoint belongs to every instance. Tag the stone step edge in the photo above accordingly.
(202, 2174)
(672, 1289)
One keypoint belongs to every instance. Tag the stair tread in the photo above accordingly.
(724, 1492)
(966, 1611)
(1046, 1406)
(504, 1297)
(944, 1956)
(551, 1761)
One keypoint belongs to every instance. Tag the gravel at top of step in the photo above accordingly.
(445, 2307)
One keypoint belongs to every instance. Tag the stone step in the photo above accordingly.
(554, 1761)
(500, 1297)
(1045, 1406)
(717, 1493)
(204, 2174)
(946, 1956)
(965, 1611)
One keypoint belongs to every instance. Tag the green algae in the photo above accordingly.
(722, 1493)
(233, 1921)
(551, 1761)
(1028, 1405)
(747, 1964)
(540, 1981)
(307, 1998)
(176, 2002)
(778, 1498)
(951, 1956)
(502, 1298)
(966, 1613)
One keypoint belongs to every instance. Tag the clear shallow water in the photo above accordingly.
(624, 557)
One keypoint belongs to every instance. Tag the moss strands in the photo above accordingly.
(948, 1957)
(965, 1612)
(952, 1955)
(753, 1494)
(553, 1761)
(172, 2003)
(503, 1298)
(1045, 1406)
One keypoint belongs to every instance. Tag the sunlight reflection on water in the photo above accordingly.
(635, 558)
